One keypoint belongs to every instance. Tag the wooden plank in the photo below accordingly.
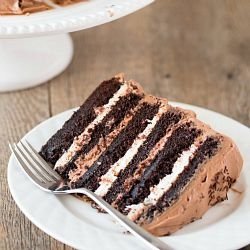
(20, 111)
(195, 52)
(201, 54)
(102, 52)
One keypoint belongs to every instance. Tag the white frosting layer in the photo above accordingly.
(164, 185)
(85, 137)
(108, 179)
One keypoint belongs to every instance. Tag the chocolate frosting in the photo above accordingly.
(9, 7)
(209, 186)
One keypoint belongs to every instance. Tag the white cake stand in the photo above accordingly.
(36, 48)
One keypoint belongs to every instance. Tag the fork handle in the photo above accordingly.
(152, 241)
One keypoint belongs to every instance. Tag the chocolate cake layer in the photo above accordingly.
(162, 165)
(118, 147)
(167, 120)
(204, 152)
(109, 123)
(64, 137)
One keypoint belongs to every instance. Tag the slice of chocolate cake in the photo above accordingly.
(155, 163)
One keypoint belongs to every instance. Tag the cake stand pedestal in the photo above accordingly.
(35, 48)
(27, 62)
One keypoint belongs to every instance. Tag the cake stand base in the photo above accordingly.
(28, 62)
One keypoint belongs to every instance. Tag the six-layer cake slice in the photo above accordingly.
(157, 164)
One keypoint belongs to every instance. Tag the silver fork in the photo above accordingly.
(39, 171)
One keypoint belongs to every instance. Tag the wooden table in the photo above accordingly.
(194, 52)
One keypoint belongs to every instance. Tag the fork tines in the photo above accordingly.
(33, 164)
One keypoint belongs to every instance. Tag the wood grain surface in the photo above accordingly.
(195, 52)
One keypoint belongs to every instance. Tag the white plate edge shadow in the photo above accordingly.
(123, 241)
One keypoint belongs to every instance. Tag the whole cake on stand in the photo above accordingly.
(35, 46)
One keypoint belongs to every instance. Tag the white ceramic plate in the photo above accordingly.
(225, 226)
(67, 19)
